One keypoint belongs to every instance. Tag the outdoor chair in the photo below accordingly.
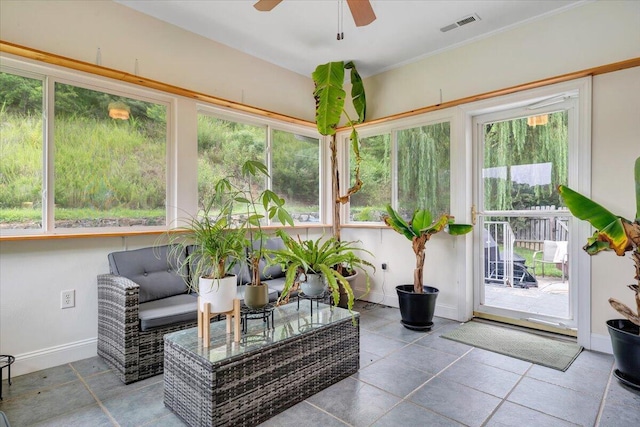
(553, 252)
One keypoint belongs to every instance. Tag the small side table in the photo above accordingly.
(5, 362)
(263, 313)
(316, 298)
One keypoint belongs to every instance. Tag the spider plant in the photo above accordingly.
(221, 235)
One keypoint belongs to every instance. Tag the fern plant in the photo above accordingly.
(319, 257)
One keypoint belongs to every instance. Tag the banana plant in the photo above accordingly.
(613, 233)
(330, 97)
(419, 230)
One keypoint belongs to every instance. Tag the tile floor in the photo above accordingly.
(406, 379)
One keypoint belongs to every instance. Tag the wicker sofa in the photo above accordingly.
(144, 297)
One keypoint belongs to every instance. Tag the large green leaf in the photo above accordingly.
(609, 226)
(458, 229)
(357, 92)
(586, 209)
(395, 221)
(329, 95)
(437, 226)
(421, 219)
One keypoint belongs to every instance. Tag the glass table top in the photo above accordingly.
(288, 320)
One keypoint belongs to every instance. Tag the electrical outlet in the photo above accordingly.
(385, 266)
(68, 299)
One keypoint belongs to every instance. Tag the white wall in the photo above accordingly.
(616, 145)
(597, 33)
(32, 273)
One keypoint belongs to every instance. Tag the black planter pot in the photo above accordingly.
(417, 309)
(626, 350)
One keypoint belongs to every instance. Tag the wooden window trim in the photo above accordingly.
(86, 67)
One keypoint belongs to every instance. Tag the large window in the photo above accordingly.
(368, 204)
(21, 145)
(423, 169)
(295, 173)
(88, 154)
(417, 158)
(109, 160)
(294, 161)
(223, 146)
(92, 159)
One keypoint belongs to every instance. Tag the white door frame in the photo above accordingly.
(579, 173)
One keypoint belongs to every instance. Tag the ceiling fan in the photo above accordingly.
(361, 10)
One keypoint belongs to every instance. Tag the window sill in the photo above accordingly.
(116, 233)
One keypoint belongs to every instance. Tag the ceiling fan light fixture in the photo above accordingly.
(266, 5)
(361, 10)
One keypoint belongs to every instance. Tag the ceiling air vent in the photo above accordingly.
(459, 23)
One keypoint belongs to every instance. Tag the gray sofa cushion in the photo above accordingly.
(274, 271)
(177, 309)
(152, 270)
(278, 285)
(168, 311)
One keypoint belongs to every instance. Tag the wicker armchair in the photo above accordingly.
(134, 354)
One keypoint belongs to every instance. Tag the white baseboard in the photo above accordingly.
(446, 311)
(378, 298)
(53, 356)
(601, 343)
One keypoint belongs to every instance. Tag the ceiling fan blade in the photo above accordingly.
(266, 5)
(362, 12)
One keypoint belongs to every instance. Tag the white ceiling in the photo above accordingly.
(300, 34)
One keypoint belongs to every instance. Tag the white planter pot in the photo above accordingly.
(220, 293)
(313, 285)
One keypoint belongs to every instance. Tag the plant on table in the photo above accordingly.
(301, 259)
(223, 234)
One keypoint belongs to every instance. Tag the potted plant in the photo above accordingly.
(417, 302)
(212, 248)
(226, 234)
(330, 97)
(621, 236)
(240, 197)
(312, 264)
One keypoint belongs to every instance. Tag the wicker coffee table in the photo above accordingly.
(249, 382)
